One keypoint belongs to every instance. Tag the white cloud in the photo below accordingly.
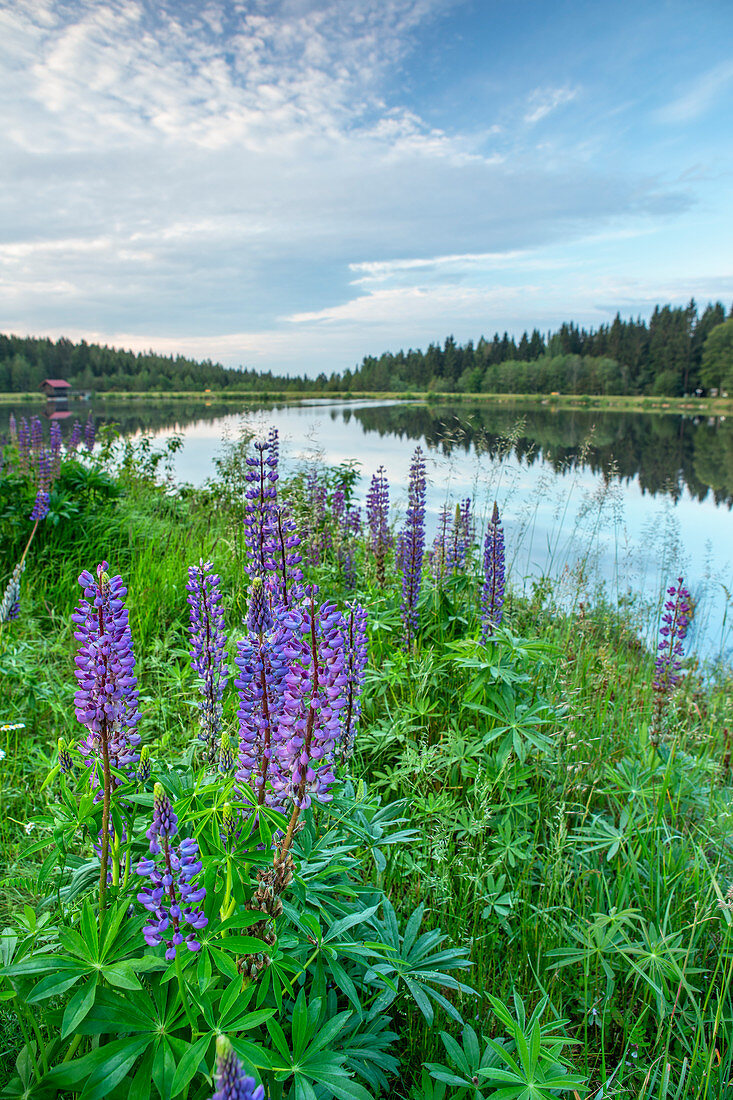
(543, 101)
(699, 97)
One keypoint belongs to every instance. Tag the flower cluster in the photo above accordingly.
(106, 700)
(232, 1083)
(260, 505)
(318, 540)
(492, 591)
(208, 648)
(411, 546)
(377, 511)
(675, 621)
(173, 896)
(297, 692)
(90, 434)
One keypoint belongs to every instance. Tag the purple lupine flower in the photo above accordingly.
(317, 533)
(12, 425)
(492, 591)
(40, 506)
(208, 648)
(24, 444)
(411, 546)
(173, 897)
(675, 621)
(356, 660)
(314, 694)
(262, 659)
(90, 433)
(74, 438)
(106, 700)
(66, 763)
(377, 510)
(10, 602)
(36, 434)
(260, 503)
(232, 1083)
(461, 536)
(55, 448)
(286, 557)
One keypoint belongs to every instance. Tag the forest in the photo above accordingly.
(678, 351)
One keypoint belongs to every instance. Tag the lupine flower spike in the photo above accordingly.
(173, 897)
(675, 621)
(377, 510)
(66, 763)
(10, 602)
(232, 1083)
(107, 696)
(411, 546)
(260, 506)
(208, 649)
(492, 592)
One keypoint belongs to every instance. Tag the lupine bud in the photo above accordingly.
(144, 765)
(492, 592)
(231, 1080)
(229, 820)
(66, 764)
(226, 754)
(260, 505)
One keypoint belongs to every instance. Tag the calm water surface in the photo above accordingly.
(632, 499)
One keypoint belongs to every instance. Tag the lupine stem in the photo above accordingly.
(183, 988)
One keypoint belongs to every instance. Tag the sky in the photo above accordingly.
(293, 184)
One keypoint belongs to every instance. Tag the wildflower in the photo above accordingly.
(261, 496)
(229, 820)
(440, 554)
(492, 592)
(90, 434)
(29, 827)
(36, 434)
(173, 896)
(10, 602)
(66, 763)
(40, 506)
(286, 556)
(226, 755)
(377, 510)
(142, 774)
(106, 700)
(75, 437)
(461, 536)
(55, 448)
(411, 546)
(208, 646)
(318, 537)
(231, 1080)
(675, 621)
(356, 659)
(3, 754)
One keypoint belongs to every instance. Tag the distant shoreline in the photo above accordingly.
(607, 403)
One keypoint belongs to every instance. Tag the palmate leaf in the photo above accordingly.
(419, 964)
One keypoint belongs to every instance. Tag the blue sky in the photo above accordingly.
(293, 184)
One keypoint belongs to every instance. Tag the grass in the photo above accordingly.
(573, 859)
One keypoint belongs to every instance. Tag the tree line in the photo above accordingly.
(678, 351)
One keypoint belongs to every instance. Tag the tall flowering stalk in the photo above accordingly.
(377, 511)
(106, 700)
(673, 630)
(173, 897)
(208, 648)
(232, 1083)
(286, 556)
(10, 602)
(262, 662)
(440, 554)
(461, 536)
(260, 504)
(411, 546)
(355, 622)
(90, 434)
(317, 533)
(492, 591)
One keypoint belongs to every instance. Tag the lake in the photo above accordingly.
(630, 499)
